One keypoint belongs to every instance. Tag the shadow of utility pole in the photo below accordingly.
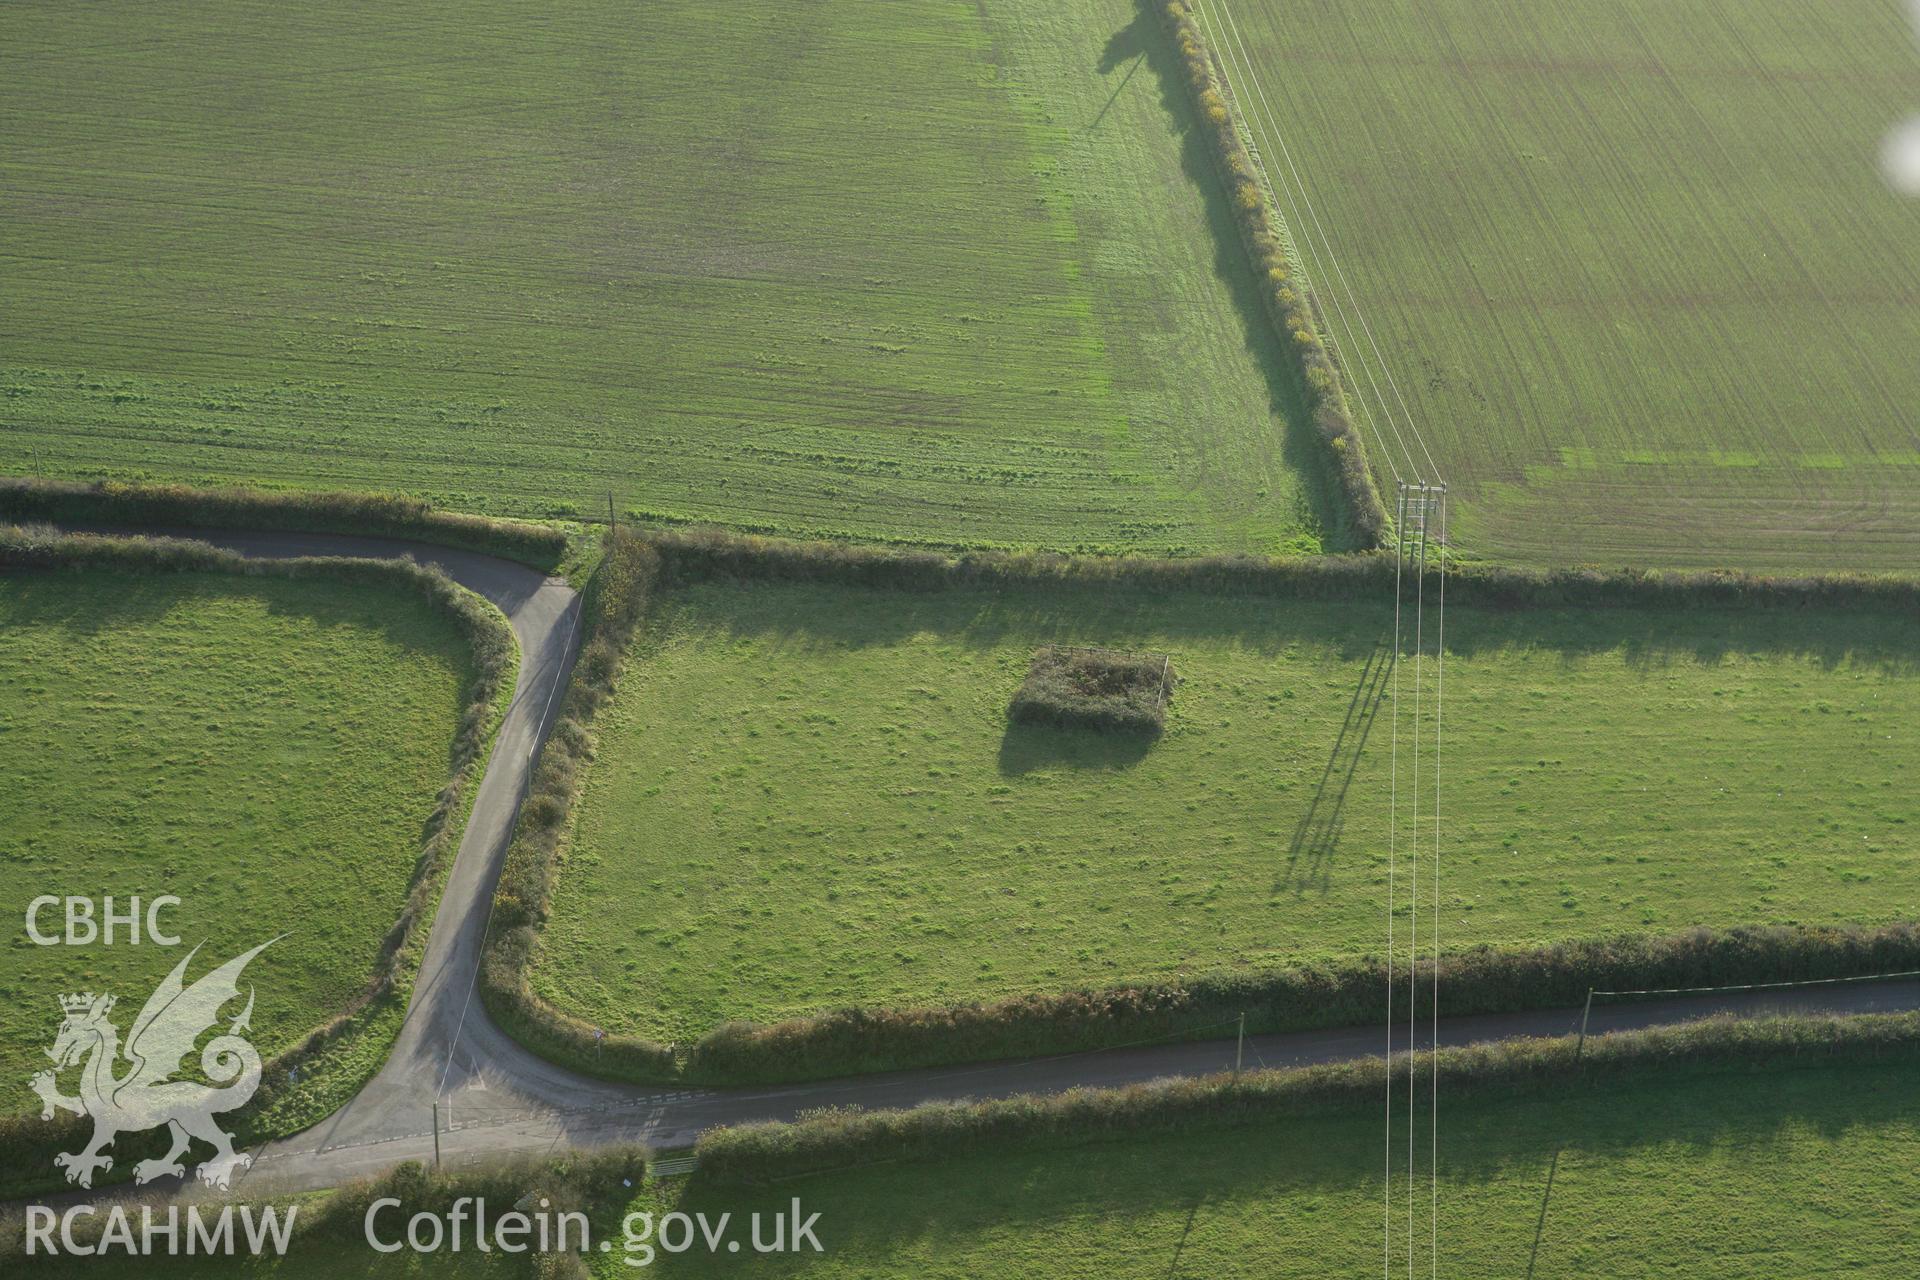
(1540, 1226)
(1181, 1247)
(1318, 834)
(1118, 90)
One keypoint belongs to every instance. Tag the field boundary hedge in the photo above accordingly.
(387, 515)
(1303, 998)
(759, 1153)
(692, 555)
(1289, 305)
(27, 1143)
(616, 596)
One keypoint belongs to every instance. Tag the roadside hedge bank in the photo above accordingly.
(760, 1153)
(1293, 312)
(385, 515)
(1482, 980)
(27, 1143)
(616, 596)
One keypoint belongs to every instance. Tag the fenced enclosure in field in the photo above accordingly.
(1084, 687)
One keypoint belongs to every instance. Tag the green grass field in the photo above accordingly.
(266, 750)
(1633, 265)
(810, 797)
(939, 273)
(1791, 1173)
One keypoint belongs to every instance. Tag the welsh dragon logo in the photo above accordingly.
(146, 1096)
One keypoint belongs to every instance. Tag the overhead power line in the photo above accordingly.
(1233, 70)
(1420, 534)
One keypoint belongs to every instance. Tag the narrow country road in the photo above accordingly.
(496, 1098)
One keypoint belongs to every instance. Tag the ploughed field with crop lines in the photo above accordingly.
(266, 750)
(814, 798)
(939, 272)
(1632, 264)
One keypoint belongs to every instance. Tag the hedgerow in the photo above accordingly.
(693, 555)
(367, 514)
(1285, 296)
(1481, 980)
(590, 1182)
(26, 1142)
(758, 1153)
(615, 598)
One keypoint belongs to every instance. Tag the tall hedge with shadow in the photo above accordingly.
(594, 1184)
(1481, 980)
(1285, 296)
(698, 555)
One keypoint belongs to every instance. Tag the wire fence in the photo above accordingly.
(1594, 993)
(1132, 655)
(1759, 986)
